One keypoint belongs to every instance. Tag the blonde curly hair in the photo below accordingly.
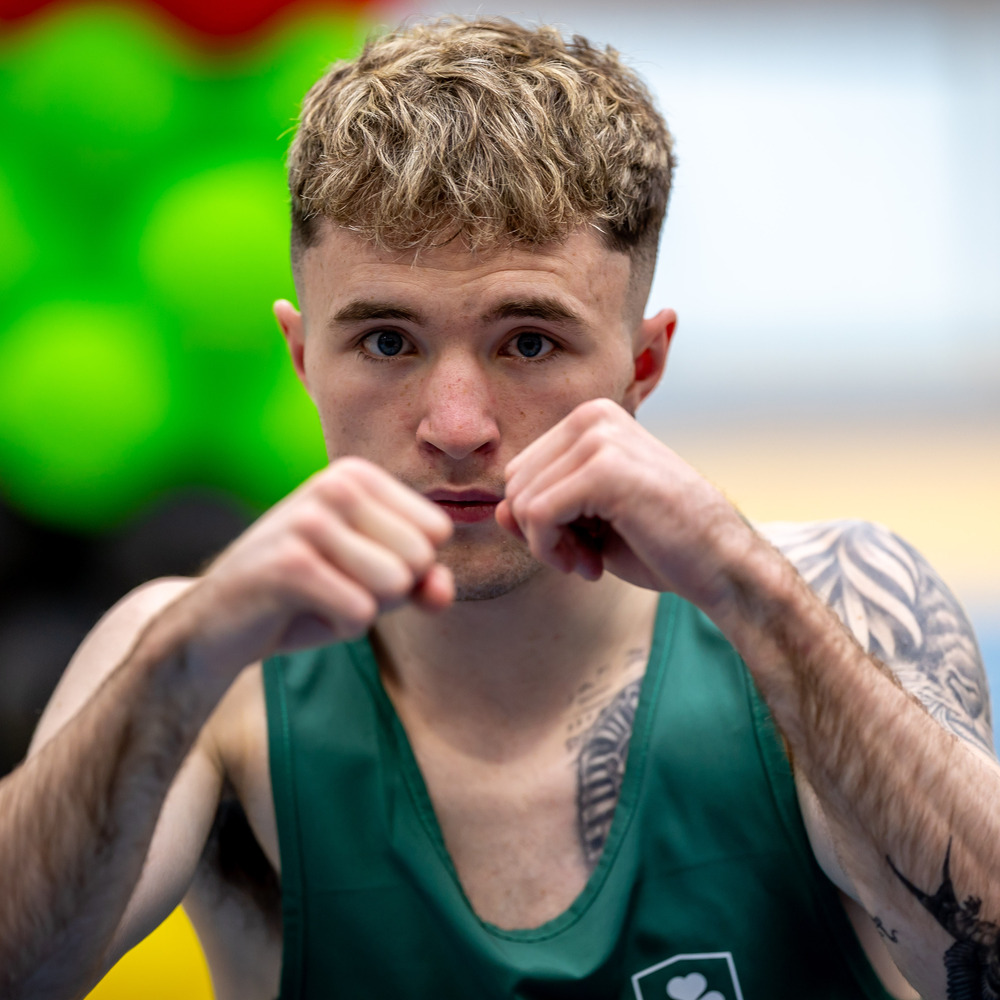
(483, 129)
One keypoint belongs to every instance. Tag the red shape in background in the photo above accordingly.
(216, 21)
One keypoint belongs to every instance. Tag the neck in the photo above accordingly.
(512, 666)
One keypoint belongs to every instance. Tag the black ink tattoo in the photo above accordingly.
(900, 611)
(600, 770)
(591, 697)
(885, 932)
(972, 963)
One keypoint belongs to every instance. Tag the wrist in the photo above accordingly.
(169, 660)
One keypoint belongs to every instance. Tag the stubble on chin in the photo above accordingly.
(483, 573)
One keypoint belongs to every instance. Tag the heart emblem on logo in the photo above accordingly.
(691, 987)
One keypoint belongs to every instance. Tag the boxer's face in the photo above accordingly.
(442, 365)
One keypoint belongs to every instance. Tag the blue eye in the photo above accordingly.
(530, 345)
(389, 343)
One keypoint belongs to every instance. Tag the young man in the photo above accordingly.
(500, 690)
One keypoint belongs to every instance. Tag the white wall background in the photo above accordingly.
(834, 233)
(833, 249)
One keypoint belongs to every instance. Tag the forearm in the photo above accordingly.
(896, 787)
(76, 819)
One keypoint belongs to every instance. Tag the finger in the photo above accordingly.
(556, 466)
(330, 595)
(436, 591)
(369, 563)
(587, 556)
(381, 523)
(534, 458)
(406, 502)
(505, 518)
(546, 520)
(562, 435)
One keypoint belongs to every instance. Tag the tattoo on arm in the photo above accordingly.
(972, 963)
(900, 611)
(889, 935)
(600, 769)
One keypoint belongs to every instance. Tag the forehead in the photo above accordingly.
(580, 273)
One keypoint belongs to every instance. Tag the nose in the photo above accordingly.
(458, 413)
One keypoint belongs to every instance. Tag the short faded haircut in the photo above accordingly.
(483, 129)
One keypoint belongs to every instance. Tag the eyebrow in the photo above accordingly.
(359, 311)
(548, 309)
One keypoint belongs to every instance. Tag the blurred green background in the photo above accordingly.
(147, 409)
(833, 245)
(144, 219)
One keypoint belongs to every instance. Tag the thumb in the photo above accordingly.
(505, 518)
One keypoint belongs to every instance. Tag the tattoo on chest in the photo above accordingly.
(972, 963)
(601, 765)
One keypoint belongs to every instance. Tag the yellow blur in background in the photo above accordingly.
(168, 965)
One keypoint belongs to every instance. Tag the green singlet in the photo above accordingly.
(707, 888)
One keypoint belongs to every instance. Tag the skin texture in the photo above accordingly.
(517, 706)
(459, 385)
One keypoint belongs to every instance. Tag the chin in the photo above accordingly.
(482, 575)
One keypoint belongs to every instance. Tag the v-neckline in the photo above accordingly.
(363, 657)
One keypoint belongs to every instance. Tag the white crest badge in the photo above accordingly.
(708, 976)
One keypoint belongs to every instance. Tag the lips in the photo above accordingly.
(466, 506)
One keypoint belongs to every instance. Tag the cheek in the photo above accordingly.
(607, 374)
(359, 418)
(543, 406)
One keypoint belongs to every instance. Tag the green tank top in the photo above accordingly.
(707, 888)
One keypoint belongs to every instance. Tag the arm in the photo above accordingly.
(899, 610)
(901, 793)
(77, 816)
(117, 740)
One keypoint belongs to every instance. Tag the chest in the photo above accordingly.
(523, 827)
(512, 832)
(523, 834)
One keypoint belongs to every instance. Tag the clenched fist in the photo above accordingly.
(348, 544)
(598, 492)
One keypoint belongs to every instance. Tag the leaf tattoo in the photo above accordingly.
(900, 611)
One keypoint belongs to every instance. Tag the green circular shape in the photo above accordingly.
(290, 434)
(264, 444)
(215, 250)
(93, 80)
(19, 249)
(84, 405)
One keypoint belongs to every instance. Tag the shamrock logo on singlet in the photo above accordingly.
(702, 976)
(691, 987)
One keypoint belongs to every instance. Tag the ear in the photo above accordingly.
(292, 329)
(650, 346)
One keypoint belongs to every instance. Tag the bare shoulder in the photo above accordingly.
(900, 611)
(102, 650)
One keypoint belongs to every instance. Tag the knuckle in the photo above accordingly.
(599, 409)
(398, 582)
(293, 560)
(535, 511)
(422, 556)
(340, 489)
(350, 466)
(600, 436)
(520, 507)
(310, 519)
(355, 621)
